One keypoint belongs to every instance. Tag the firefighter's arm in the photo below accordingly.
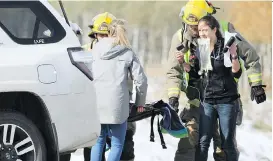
(251, 59)
(253, 69)
(251, 62)
(174, 70)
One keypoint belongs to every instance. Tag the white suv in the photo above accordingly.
(47, 99)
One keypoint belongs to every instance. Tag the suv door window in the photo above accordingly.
(19, 21)
(29, 22)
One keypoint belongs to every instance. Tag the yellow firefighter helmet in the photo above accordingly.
(194, 10)
(100, 23)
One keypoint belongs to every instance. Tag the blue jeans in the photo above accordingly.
(227, 114)
(118, 132)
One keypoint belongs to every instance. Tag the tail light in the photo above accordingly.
(82, 60)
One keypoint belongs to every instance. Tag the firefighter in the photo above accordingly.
(183, 75)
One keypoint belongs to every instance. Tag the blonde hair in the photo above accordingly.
(118, 31)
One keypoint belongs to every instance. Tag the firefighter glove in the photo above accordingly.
(258, 93)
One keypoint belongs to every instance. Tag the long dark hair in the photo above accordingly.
(212, 23)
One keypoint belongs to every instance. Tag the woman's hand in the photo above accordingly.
(235, 61)
(140, 109)
(180, 57)
(233, 50)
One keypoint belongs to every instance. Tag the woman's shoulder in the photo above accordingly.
(125, 49)
(126, 52)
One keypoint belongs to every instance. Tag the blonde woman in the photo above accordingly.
(112, 62)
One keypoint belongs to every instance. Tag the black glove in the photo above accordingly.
(258, 93)
(173, 101)
(192, 93)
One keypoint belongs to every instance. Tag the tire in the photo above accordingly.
(27, 143)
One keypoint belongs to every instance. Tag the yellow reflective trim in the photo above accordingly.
(185, 74)
(254, 75)
(255, 80)
(173, 93)
(187, 56)
(170, 89)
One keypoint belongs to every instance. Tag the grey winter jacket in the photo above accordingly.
(110, 68)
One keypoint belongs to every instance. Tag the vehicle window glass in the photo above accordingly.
(29, 22)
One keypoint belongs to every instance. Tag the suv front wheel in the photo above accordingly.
(20, 139)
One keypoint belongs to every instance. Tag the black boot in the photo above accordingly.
(128, 148)
(86, 154)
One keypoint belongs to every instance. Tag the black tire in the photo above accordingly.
(24, 128)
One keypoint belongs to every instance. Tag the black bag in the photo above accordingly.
(148, 112)
(170, 123)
